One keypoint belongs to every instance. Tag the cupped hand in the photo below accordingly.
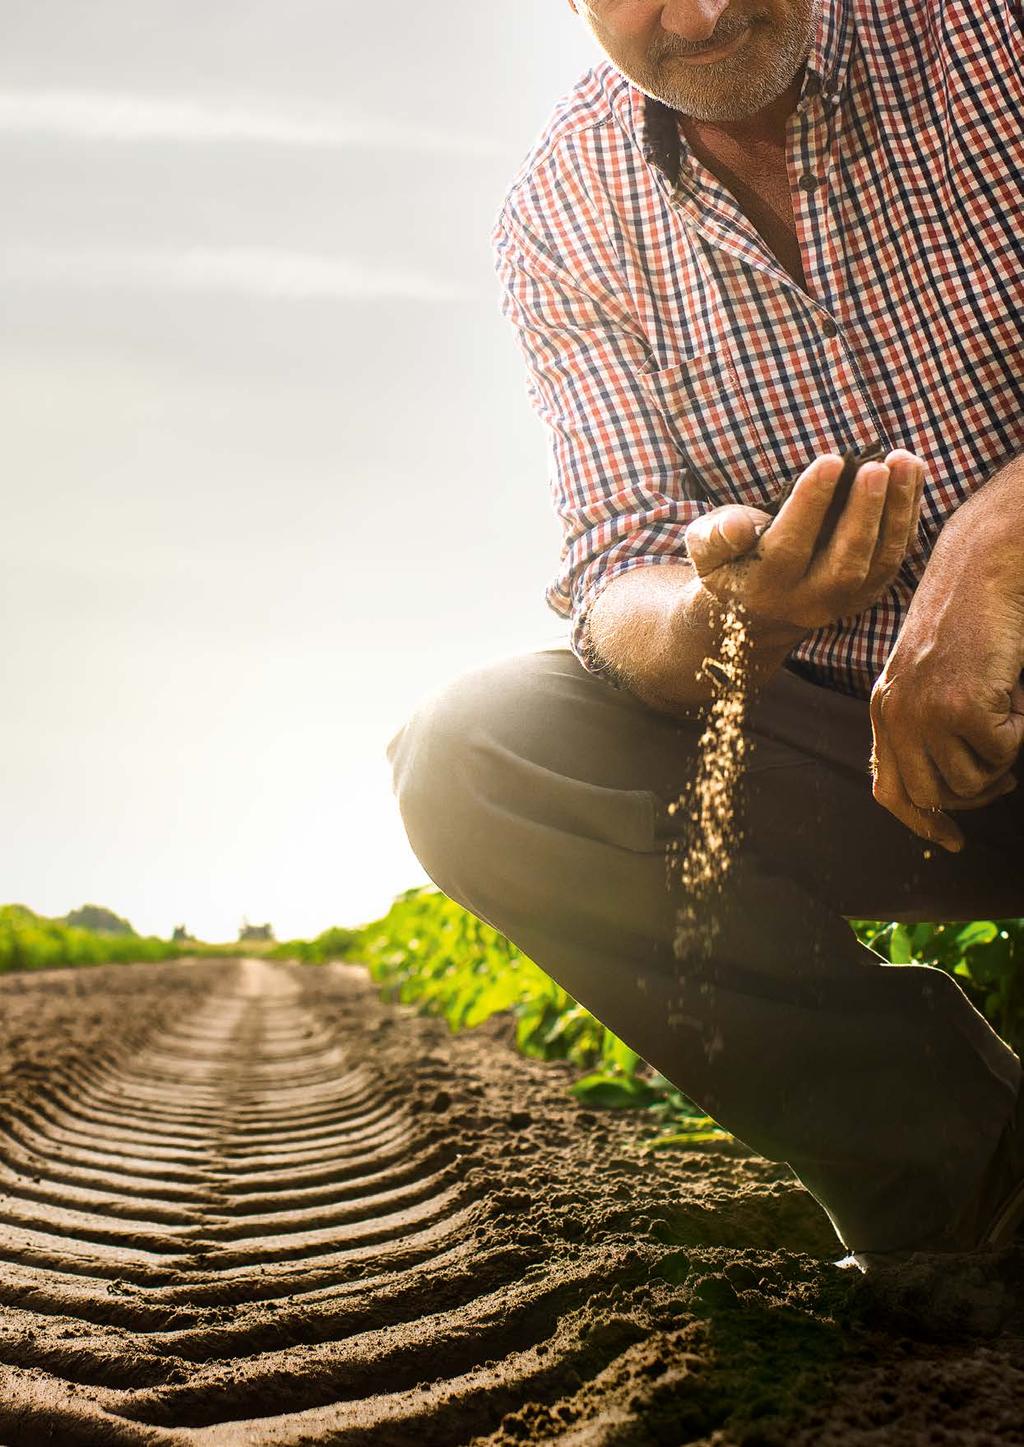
(788, 573)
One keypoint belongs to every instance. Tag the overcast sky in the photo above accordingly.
(268, 467)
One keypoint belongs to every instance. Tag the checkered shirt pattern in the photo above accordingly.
(677, 366)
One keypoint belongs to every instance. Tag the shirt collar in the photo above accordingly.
(654, 123)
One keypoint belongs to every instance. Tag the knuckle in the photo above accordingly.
(849, 575)
(954, 707)
(883, 699)
(785, 554)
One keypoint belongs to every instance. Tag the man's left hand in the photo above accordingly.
(948, 708)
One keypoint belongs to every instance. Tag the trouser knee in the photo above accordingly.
(509, 772)
(440, 759)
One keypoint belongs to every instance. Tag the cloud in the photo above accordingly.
(249, 271)
(126, 117)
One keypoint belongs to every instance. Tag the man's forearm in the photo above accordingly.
(984, 537)
(655, 626)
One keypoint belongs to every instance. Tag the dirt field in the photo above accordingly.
(245, 1203)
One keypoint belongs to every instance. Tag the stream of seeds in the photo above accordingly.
(710, 800)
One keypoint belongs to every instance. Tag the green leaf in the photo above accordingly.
(613, 1090)
(502, 995)
(619, 1056)
(901, 949)
(699, 1134)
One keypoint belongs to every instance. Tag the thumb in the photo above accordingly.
(724, 534)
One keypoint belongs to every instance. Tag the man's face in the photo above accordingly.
(657, 44)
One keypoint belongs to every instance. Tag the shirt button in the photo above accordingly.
(808, 182)
(829, 328)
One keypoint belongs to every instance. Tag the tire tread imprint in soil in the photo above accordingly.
(246, 1203)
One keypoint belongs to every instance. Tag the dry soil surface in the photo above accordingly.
(246, 1203)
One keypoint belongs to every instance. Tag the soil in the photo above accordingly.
(243, 1202)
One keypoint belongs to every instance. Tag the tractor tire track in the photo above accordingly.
(256, 1206)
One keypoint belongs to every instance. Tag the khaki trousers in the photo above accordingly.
(535, 795)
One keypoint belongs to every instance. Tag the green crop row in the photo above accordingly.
(334, 944)
(430, 953)
(985, 956)
(30, 942)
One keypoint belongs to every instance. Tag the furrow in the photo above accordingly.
(35, 1409)
(235, 1228)
(276, 1191)
(449, 1343)
(430, 1415)
(24, 1167)
(110, 1202)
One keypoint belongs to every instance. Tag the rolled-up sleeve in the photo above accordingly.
(616, 473)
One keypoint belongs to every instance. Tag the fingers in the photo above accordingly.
(943, 773)
(932, 825)
(922, 783)
(898, 530)
(723, 535)
(847, 560)
(927, 789)
(1003, 786)
(793, 536)
(996, 740)
(914, 791)
(965, 773)
(916, 504)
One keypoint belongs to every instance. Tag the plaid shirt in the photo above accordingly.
(678, 366)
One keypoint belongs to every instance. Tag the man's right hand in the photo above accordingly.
(787, 580)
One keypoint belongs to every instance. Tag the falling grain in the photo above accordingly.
(703, 859)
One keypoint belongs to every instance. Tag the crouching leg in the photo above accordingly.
(536, 796)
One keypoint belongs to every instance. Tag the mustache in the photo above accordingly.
(671, 47)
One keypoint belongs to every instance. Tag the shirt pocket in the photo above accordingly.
(716, 430)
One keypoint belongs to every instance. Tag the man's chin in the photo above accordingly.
(698, 90)
(707, 103)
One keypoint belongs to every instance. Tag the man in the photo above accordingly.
(764, 232)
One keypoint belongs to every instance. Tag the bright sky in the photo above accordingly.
(269, 471)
